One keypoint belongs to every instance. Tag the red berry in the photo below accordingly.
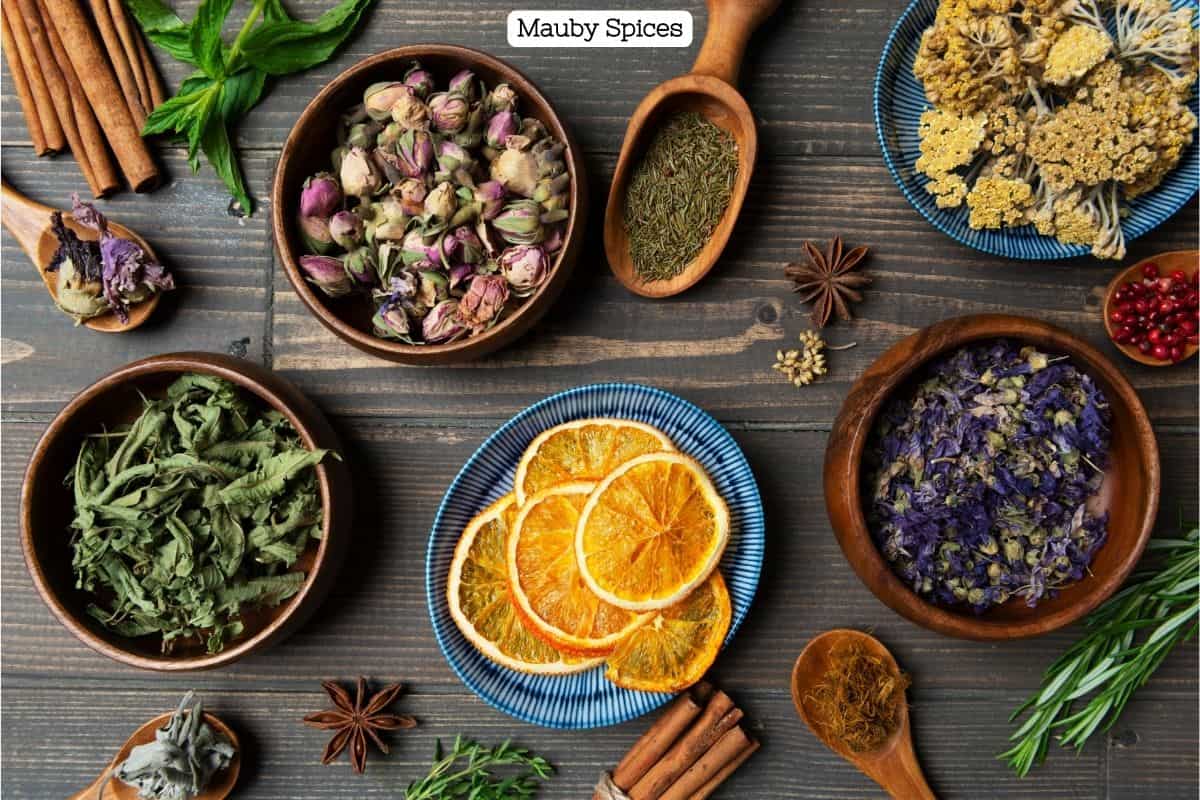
(1188, 327)
(1117, 317)
(1164, 285)
(1194, 339)
(1177, 353)
(1166, 307)
(1179, 276)
(1141, 306)
(1155, 335)
(1150, 269)
(1145, 347)
(1161, 352)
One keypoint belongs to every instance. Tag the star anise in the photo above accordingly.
(827, 281)
(355, 720)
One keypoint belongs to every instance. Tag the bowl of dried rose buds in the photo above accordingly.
(429, 205)
(992, 477)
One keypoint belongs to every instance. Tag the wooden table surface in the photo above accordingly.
(808, 79)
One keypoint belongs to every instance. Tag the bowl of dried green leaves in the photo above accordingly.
(185, 510)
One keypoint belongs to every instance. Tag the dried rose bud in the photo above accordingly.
(390, 322)
(492, 245)
(502, 125)
(554, 239)
(388, 261)
(410, 111)
(411, 194)
(359, 175)
(520, 223)
(463, 82)
(524, 267)
(448, 111)
(391, 231)
(346, 229)
(77, 295)
(467, 245)
(553, 195)
(442, 202)
(387, 137)
(320, 196)
(315, 233)
(337, 156)
(533, 129)
(472, 135)
(490, 197)
(419, 79)
(363, 135)
(360, 265)
(441, 324)
(433, 287)
(414, 248)
(327, 274)
(517, 171)
(501, 98)
(415, 152)
(484, 301)
(460, 274)
(379, 98)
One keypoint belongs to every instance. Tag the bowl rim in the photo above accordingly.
(1054, 250)
(848, 438)
(257, 381)
(419, 353)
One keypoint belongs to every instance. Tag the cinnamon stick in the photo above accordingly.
(647, 750)
(100, 86)
(722, 774)
(60, 94)
(120, 22)
(51, 128)
(718, 717)
(728, 748)
(119, 60)
(105, 179)
(24, 92)
(157, 94)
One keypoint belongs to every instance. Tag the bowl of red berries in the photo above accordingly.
(1152, 309)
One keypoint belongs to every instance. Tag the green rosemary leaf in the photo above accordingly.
(468, 771)
(1160, 606)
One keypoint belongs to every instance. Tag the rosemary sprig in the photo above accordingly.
(466, 771)
(1107, 662)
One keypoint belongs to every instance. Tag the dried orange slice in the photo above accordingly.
(477, 591)
(651, 532)
(550, 594)
(677, 646)
(583, 450)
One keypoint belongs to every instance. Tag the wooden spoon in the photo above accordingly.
(709, 90)
(220, 788)
(29, 223)
(1186, 260)
(893, 765)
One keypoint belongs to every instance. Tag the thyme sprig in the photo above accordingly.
(1107, 662)
(466, 771)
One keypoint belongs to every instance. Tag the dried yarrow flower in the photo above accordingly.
(805, 365)
(979, 479)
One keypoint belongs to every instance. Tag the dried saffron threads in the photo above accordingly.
(859, 699)
(677, 194)
(978, 481)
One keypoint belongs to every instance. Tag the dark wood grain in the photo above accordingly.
(808, 79)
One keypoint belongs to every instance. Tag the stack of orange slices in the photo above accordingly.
(605, 551)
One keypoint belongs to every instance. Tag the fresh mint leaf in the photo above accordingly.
(286, 46)
(163, 28)
(219, 153)
(273, 11)
(206, 36)
(241, 92)
(177, 114)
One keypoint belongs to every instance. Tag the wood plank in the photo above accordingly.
(376, 619)
(1146, 757)
(715, 344)
(808, 75)
(283, 756)
(221, 265)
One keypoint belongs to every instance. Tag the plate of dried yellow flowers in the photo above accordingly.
(1042, 129)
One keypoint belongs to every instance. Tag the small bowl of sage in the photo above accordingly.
(184, 511)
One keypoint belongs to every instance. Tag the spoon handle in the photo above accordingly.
(93, 791)
(730, 23)
(901, 774)
(24, 219)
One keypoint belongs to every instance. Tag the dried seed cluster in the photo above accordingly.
(803, 366)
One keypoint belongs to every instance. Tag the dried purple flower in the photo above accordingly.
(128, 275)
(328, 274)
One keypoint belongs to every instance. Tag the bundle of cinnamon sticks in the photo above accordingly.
(85, 80)
(690, 750)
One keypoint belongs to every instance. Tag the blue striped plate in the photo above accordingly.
(587, 700)
(899, 103)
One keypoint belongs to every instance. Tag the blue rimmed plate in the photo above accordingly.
(587, 700)
(899, 103)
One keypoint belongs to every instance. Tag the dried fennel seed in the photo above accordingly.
(678, 193)
(805, 365)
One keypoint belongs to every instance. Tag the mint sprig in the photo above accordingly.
(230, 78)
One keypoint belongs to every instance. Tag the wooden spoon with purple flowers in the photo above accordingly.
(30, 224)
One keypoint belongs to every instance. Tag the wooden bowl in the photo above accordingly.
(1186, 260)
(1129, 491)
(308, 149)
(47, 507)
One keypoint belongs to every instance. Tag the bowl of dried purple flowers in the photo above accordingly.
(429, 204)
(992, 477)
